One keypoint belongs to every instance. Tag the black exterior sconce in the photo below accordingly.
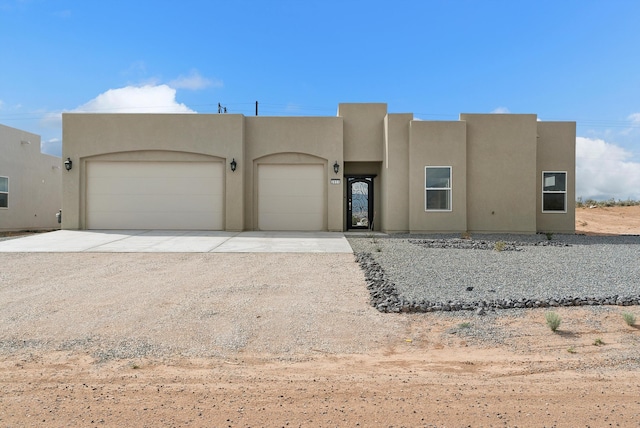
(336, 167)
(233, 165)
(68, 164)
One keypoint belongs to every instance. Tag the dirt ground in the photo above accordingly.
(427, 370)
(608, 220)
(420, 378)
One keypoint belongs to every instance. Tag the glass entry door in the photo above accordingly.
(359, 202)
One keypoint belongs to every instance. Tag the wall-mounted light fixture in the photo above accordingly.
(233, 165)
(68, 164)
(336, 167)
(25, 142)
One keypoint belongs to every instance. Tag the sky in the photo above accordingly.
(562, 60)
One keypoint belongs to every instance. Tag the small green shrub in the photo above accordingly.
(553, 320)
(629, 318)
(499, 246)
(572, 350)
(464, 325)
(549, 236)
(598, 342)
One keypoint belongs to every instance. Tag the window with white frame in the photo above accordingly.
(554, 191)
(437, 188)
(4, 192)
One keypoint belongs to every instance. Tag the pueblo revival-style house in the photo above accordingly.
(363, 169)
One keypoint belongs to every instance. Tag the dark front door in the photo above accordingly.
(359, 202)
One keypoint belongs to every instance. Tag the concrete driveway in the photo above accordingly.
(177, 241)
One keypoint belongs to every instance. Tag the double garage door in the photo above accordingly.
(155, 195)
(190, 195)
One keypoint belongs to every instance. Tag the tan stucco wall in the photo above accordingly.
(294, 140)
(363, 131)
(438, 143)
(501, 172)
(395, 174)
(496, 162)
(557, 152)
(151, 137)
(35, 182)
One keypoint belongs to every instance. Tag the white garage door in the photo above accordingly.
(291, 197)
(155, 195)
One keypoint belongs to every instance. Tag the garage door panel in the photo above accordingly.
(300, 204)
(150, 169)
(292, 220)
(294, 187)
(291, 197)
(155, 195)
(120, 186)
(167, 203)
(147, 220)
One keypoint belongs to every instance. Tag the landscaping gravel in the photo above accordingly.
(411, 273)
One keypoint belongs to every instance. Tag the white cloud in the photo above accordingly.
(634, 125)
(136, 99)
(52, 146)
(129, 99)
(605, 170)
(194, 81)
(501, 110)
(634, 118)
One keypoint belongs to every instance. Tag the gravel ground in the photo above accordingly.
(120, 306)
(124, 306)
(573, 266)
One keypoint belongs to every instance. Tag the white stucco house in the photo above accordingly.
(30, 183)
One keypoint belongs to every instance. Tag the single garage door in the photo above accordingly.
(291, 197)
(155, 195)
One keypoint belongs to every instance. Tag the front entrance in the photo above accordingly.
(360, 202)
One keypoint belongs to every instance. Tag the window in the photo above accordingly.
(554, 191)
(438, 188)
(4, 192)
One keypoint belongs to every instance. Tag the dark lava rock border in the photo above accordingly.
(385, 297)
(474, 244)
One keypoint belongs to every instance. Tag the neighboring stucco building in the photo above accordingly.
(30, 183)
(363, 169)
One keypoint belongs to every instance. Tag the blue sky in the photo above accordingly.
(563, 60)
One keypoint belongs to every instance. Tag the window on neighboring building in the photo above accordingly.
(4, 192)
(554, 191)
(437, 188)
